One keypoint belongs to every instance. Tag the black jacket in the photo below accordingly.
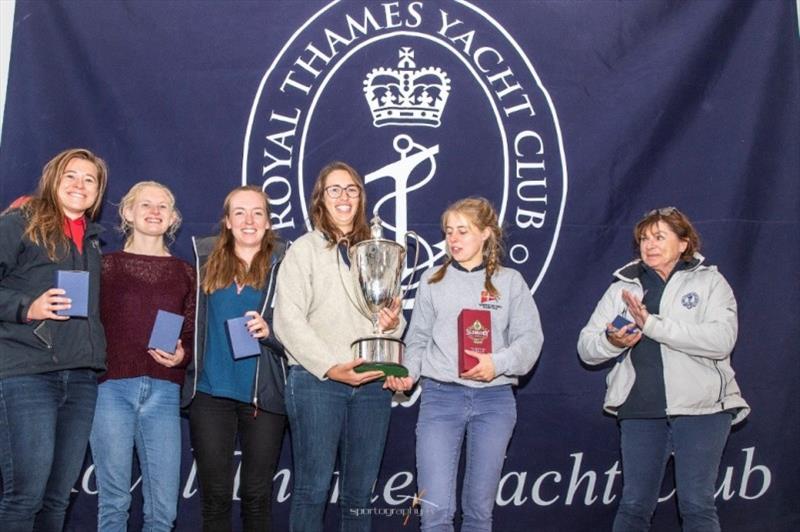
(26, 272)
(270, 379)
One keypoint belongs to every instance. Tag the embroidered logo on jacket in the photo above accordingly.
(488, 301)
(690, 300)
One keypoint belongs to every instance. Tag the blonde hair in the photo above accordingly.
(127, 201)
(224, 266)
(45, 216)
(321, 219)
(480, 213)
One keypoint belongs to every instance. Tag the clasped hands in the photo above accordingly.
(622, 337)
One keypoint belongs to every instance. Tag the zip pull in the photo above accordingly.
(255, 412)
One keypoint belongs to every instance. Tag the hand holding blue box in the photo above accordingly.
(166, 331)
(243, 344)
(620, 322)
(75, 284)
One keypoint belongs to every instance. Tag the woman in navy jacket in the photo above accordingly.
(48, 362)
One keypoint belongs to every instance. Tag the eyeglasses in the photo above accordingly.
(664, 211)
(335, 191)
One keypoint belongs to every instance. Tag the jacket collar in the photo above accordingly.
(92, 228)
(459, 267)
(630, 272)
(203, 246)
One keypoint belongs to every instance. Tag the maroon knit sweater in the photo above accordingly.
(132, 290)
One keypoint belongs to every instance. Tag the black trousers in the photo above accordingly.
(215, 423)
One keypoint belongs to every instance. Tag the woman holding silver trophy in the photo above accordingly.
(331, 406)
(474, 331)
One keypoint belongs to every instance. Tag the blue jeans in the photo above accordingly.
(143, 412)
(326, 417)
(447, 413)
(697, 443)
(45, 421)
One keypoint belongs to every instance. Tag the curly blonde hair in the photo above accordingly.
(127, 201)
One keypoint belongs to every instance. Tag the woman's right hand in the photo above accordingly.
(621, 337)
(45, 306)
(344, 373)
(398, 384)
(166, 359)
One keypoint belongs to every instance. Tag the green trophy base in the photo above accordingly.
(388, 369)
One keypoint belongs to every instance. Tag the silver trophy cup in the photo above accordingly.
(376, 272)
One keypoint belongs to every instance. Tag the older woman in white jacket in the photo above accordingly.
(670, 321)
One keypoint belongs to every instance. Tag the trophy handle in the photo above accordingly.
(416, 261)
(356, 303)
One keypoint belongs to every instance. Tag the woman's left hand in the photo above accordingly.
(257, 326)
(389, 317)
(483, 371)
(166, 359)
(636, 309)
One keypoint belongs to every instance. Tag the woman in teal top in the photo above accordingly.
(229, 398)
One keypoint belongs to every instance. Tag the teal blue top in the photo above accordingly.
(222, 376)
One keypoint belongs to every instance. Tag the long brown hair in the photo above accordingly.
(480, 213)
(320, 218)
(224, 266)
(45, 226)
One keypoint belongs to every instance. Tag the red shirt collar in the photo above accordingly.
(75, 229)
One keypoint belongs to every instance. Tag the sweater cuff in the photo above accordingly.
(22, 310)
(611, 348)
(501, 362)
(319, 369)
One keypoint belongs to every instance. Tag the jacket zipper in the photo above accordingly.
(86, 251)
(721, 383)
(40, 337)
(196, 318)
(255, 387)
(258, 362)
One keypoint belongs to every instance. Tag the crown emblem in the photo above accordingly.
(406, 96)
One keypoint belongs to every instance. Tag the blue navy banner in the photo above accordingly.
(573, 118)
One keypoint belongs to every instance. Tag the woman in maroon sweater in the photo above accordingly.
(138, 399)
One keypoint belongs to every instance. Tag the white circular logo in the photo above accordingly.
(431, 102)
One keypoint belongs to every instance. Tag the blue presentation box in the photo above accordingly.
(620, 322)
(76, 285)
(243, 345)
(166, 331)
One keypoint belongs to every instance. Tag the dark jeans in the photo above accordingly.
(697, 443)
(45, 420)
(215, 423)
(326, 417)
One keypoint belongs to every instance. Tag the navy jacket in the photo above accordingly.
(26, 272)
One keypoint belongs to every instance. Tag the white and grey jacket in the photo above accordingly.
(696, 328)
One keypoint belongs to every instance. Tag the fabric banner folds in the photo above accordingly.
(574, 118)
